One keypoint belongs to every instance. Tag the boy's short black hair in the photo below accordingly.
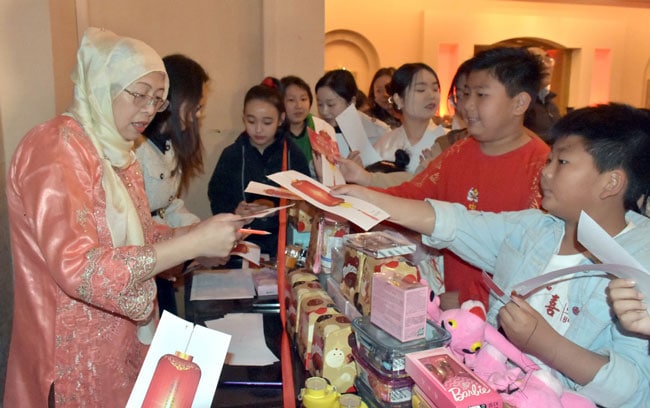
(516, 68)
(617, 136)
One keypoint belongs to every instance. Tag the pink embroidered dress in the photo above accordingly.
(79, 296)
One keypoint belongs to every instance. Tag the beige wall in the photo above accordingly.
(238, 42)
(26, 98)
(413, 30)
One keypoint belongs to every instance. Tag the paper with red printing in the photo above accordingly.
(357, 211)
(255, 187)
(324, 144)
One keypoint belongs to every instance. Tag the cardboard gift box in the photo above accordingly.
(331, 355)
(447, 382)
(311, 308)
(368, 253)
(294, 278)
(399, 306)
(297, 292)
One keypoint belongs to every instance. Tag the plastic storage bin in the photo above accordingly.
(364, 391)
(385, 353)
(391, 390)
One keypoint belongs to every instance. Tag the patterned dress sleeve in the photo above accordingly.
(64, 206)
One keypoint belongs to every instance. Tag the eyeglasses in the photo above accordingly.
(142, 100)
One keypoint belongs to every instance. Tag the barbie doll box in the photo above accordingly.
(447, 382)
(399, 306)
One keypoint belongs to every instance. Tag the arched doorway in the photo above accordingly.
(352, 51)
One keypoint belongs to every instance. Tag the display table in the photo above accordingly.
(247, 386)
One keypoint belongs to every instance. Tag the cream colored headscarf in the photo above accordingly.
(106, 65)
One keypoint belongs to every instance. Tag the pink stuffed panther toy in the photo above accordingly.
(520, 382)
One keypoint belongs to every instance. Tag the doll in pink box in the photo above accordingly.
(498, 362)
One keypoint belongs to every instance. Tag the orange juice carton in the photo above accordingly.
(399, 306)
(331, 355)
(447, 382)
(365, 254)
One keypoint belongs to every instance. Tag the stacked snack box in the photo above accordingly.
(315, 323)
(331, 355)
(382, 379)
(311, 309)
(399, 305)
(302, 285)
(369, 253)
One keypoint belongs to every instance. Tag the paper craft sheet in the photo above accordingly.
(327, 147)
(254, 187)
(222, 284)
(208, 348)
(615, 261)
(249, 251)
(608, 251)
(263, 213)
(350, 123)
(360, 212)
(248, 346)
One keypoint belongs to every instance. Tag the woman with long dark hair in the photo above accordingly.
(171, 155)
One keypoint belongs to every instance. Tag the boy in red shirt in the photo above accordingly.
(498, 167)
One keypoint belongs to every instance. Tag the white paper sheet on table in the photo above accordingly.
(219, 284)
(247, 347)
(350, 123)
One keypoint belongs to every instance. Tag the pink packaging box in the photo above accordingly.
(399, 306)
(447, 382)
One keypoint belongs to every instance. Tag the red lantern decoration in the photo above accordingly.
(174, 382)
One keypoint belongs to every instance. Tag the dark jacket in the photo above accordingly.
(241, 163)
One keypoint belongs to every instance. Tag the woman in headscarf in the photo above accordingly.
(85, 247)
